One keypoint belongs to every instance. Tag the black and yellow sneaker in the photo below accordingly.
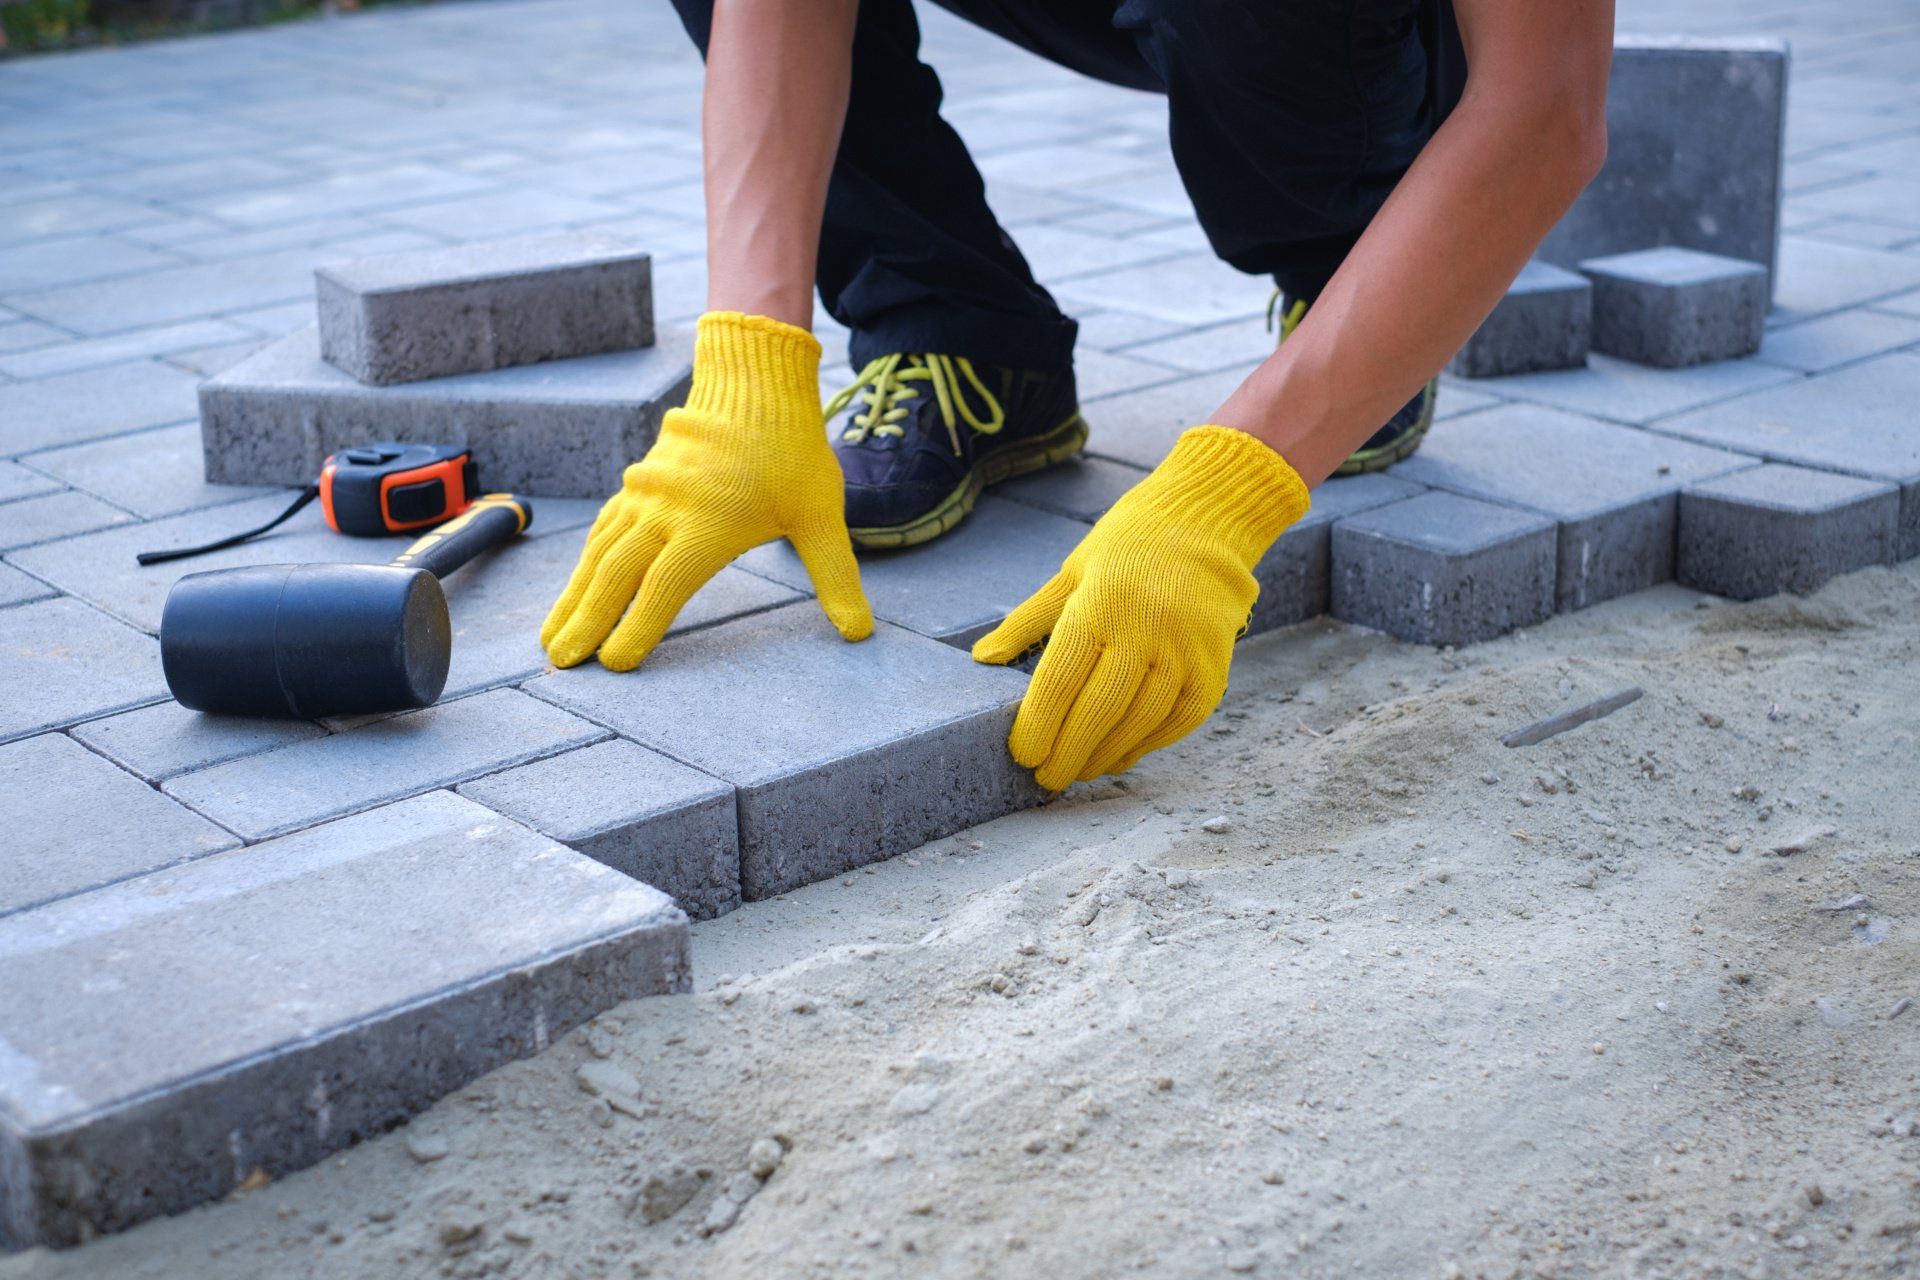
(1402, 433)
(927, 433)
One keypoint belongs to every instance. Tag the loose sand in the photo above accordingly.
(1427, 1006)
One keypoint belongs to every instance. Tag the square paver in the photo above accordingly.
(1673, 307)
(1778, 528)
(283, 1011)
(76, 822)
(62, 661)
(649, 817)
(1081, 488)
(1139, 427)
(1295, 575)
(843, 754)
(1612, 490)
(1442, 569)
(1543, 322)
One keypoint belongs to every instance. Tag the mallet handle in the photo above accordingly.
(483, 526)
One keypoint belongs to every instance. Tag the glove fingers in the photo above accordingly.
(1190, 711)
(1056, 684)
(1027, 625)
(682, 569)
(1150, 708)
(827, 552)
(607, 528)
(617, 576)
(1101, 703)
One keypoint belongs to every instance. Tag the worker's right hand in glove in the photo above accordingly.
(745, 462)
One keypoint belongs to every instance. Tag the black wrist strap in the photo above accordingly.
(307, 495)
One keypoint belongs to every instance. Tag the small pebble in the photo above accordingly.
(1217, 826)
(764, 1156)
(460, 1223)
(1815, 1196)
(426, 1148)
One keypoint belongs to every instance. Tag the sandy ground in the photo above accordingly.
(1632, 1002)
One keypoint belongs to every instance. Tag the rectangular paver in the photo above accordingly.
(1442, 569)
(18, 588)
(843, 753)
(92, 403)
(436, 312)
(1610, 489)
(17, 481)
(1674, 307)
(566, 428)
(283, 1011)
(166, 739)
(308, 782)
(1779, 528)
(150, 473)
(65, 661)
(76, 822)
(1543, 322)
(54, 515)
(642, 814)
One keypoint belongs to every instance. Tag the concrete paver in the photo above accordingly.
(166, 739)
(64, 661)
(1674, 307)
(1778, 528)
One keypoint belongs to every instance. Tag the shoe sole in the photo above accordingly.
(1401, 449)
(1044, 451)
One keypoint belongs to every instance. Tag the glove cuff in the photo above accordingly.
(748, 368)
(1242, 490)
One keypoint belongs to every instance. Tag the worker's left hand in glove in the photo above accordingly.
(1141, 619)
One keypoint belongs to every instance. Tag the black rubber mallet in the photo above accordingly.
(308, 640)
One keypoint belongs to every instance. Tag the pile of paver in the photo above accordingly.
(241, 945)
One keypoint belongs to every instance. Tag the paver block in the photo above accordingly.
(281, 1010)
(150, 473)
(1295, 575)
(166, 739)
(1779, 528)
(17, 481)
(1081, 488)
(18, 588)
(1858, 420)
(843, 754)
(1613, 491)
(566, 428)
(1441, 569)
(642, 814)
(61, 661)
(93, 403)
(1676, 307)
(433, 312)
(307, 782)
(75, 822)
(54, 515)
(1695, 134)
(1543, 322)
(959, 586)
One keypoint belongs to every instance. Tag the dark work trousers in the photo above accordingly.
(1291, 121)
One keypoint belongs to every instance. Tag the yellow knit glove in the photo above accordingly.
(1143, 614)
(745, 462)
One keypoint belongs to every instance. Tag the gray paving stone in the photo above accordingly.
(1676, 307)
(54, 515)
(166, 739)
(175, 294)
(150, 473)
(1817, 276)
(41, 264)
(75, 822)
(843, 753)
(61, 661)
(19, 588)
(71, 355)
(1858, 420)
(307, 782)
(642, 814)
(514, 212)
(17, 481)
(25, 335)
(1194, 288)
(1885, 197)
(1295, 575)
(1237, 344)
(565, 428)
(73, 214)
(957, 587)
(1442, 569)
(1611, 490)
(1663, 184)
(1779, 528)
(1081, 488)
(92, 403)
(1543, 322)
(218, 358)
(1829, 341)
(354, 191)
(1139, 427)
(436, 312)
(314, 1021)
(1622, 391)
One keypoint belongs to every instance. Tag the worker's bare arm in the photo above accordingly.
(1528, 135)
(776, 97)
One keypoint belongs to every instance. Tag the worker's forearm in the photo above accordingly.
(776, 97)
(1438, 256)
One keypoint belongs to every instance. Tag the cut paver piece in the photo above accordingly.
(75, 822)
(649, 817)
(1779, 528)
(307, 782)
(403, 317)
(843, 754)
(282, 1010)
(1295, 575)
(1543, 322)
(957, 587)
(165, 739)
(1612, 490)
(565, 428)
(1442, 569)
(1676, 307)
(66, 661)
(1695, 141)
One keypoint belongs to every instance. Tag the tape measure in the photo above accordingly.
(371, 491)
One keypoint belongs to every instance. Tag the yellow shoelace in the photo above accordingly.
(883, 384)
(1288, 322)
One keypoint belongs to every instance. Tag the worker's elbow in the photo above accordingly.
(1574, 127)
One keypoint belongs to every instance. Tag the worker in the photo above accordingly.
(1389, 164)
